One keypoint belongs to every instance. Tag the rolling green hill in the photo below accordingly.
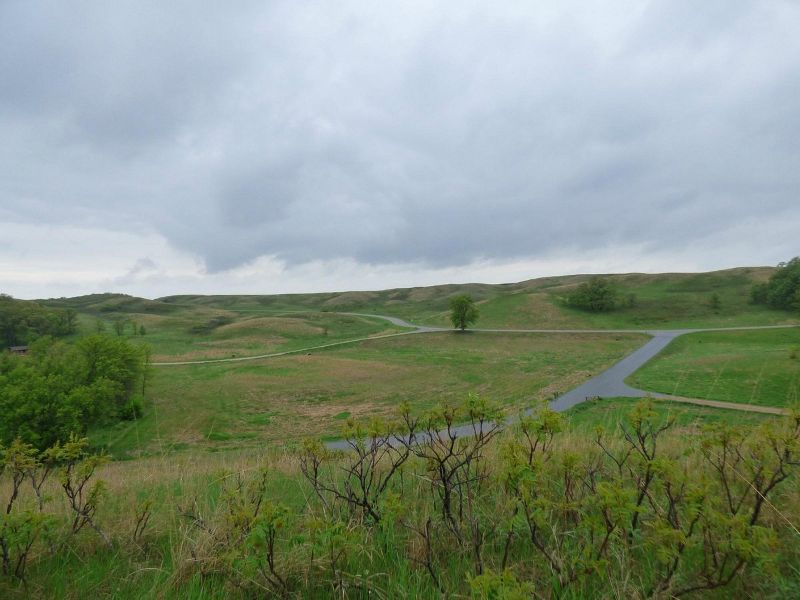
(669, 300)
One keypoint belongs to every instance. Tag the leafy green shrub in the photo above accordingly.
(22, 527)
(210, 325)
(783, 288)
(595, 295)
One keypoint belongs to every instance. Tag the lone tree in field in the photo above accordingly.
(463, 311)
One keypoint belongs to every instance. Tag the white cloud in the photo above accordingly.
(469, 140)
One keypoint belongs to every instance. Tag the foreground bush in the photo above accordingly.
(416, 508)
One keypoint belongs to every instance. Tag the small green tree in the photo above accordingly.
(463, 311)
(142, 330)
(119, 326)
(714, 302)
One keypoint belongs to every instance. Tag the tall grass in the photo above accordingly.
(536, 510)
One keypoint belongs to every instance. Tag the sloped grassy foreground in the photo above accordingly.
(531, 510)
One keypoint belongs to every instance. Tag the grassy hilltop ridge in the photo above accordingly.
(658, 300)
(661, 300)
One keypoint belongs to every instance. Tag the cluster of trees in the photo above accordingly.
(60, 389)
(783, 288)
(595, 295)
(121, 326)
(22, 321)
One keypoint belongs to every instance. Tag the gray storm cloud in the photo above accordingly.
(401, 132)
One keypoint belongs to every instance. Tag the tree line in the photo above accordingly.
(60, 389)
(782, 291)
(22, 321)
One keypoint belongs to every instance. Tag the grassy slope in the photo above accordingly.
(177, 332)
(754, 367)
(288, 398)
(163, 566)
(670, 300)
(689, 419)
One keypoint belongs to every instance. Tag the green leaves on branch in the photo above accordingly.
(24, 522)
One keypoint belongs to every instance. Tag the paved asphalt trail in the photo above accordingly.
(610, 383)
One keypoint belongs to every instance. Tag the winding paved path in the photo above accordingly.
(609, 383)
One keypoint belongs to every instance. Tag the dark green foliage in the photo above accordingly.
(210, 325)
(595, 295)
(119, 326)
(714, 303)
(758, 293)
(23, 321)
(783, 288)
(463, 311)
(60, 389)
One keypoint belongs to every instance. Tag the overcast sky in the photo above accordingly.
(230, 147)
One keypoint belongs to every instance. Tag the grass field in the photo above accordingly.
(287, 398)
(689, 419)
(753, 367)
(283, 399)
(231, 336)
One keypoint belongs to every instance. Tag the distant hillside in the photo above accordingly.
(111, 303)
(647, 300)
(680, 299)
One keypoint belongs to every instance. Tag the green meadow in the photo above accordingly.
(752, 367)
(281, 400)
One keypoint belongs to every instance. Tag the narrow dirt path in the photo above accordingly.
(276, 354)
(769, 410)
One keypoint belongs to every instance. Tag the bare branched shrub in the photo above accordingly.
(364, 473)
